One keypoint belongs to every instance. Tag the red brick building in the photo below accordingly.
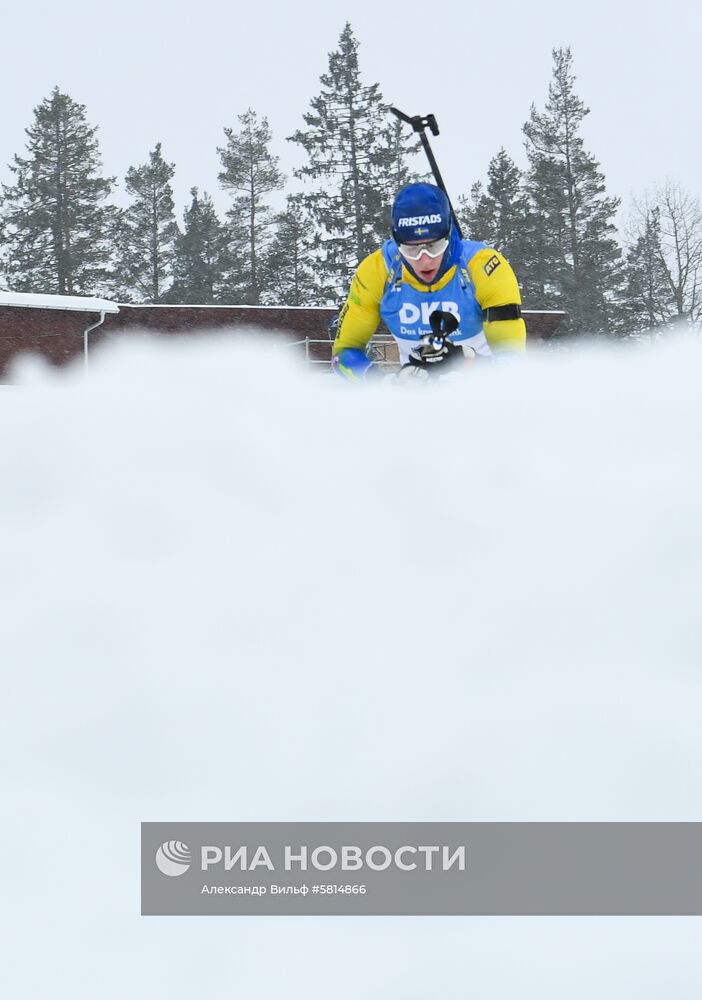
(61, 327)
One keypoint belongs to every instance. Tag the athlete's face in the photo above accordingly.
(426, 268)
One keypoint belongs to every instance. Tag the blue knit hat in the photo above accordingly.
(420, 211)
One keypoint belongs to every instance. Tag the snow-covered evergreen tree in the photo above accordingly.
(356, 160)
(476, 214)
(514, 221)
(293, 262)
(575, 261)
(393, 166)
(500, 214)
(200, 254)
(54, 221)
(648, 298)
(147, 231)
(251, 172)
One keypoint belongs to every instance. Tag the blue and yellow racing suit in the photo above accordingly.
(476, 283)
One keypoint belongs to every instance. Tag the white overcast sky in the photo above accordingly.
(178, 72)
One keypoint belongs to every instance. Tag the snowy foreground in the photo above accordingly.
(231, 591)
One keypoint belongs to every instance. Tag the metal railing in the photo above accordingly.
(380, 351)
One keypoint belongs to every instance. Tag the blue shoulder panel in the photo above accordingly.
(469, 249)
(393, 261)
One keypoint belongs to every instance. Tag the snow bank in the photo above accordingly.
(231, 591)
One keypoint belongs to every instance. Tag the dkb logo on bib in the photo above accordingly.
(411, 314)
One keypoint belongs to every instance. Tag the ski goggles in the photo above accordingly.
(433, 249)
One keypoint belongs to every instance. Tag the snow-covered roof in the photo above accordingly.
(79, 303)
(69, 303)
(210, 305)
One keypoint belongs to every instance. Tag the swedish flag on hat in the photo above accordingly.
(420, 212)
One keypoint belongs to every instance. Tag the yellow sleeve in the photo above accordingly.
(496, 285)
(360, 315)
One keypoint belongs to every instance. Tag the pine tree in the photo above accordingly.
(648, 299)
(294, 261)
(250, 171)
(200, 254)
(148, 230)
(513, 219)
(476, 213)
(55, 224)
(391, 164)
(356, 160)
(576, 262)
(501, 216)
